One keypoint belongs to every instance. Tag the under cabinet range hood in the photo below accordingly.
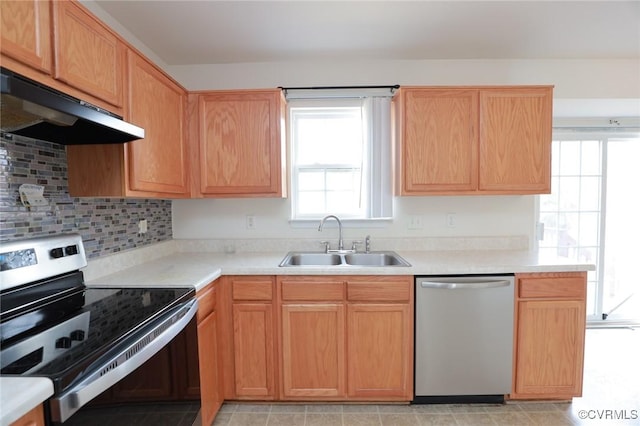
(33, 110)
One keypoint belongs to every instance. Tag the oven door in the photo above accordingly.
(120, 361)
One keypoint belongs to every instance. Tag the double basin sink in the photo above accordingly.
(371, 259)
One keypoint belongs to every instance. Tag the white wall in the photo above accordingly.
(582, 88)
(474, 216)
(572, 78)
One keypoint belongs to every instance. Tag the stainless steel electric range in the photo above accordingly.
(84, 339)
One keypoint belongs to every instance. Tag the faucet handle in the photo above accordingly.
(367, 244)
(355, 244)
(327, 246)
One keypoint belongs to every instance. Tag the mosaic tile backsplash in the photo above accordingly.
(107, 225)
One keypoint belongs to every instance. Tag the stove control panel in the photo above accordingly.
(25, 261)
(28, 355)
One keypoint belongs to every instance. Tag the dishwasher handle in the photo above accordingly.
(478, 285)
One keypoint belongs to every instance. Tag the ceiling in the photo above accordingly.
(215, 32)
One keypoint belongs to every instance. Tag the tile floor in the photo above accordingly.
(611, 393)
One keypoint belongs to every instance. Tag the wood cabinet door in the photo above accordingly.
(25, 31)
(253, 341)
(438, 141)
(34, 417)
(88, 56)
(515, 140)
(156, 164)
(313, 351)
(380, 351)
(241, 146)
(210, 389)
(550, 348)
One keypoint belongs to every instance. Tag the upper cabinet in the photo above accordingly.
(473, 140)
(26, 32)
(438, 137)
(88, 55)
(153, 167)
(515, 140)
(241, 148)
(62, 45)
(157, 163)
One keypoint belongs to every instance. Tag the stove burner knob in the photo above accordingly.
(71, 250)
(77, 335)
(56, 253)
(63, 343)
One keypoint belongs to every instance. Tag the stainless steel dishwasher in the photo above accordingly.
(464, 338)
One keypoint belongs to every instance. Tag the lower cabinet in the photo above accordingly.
(211, 389)
(346, 338)
(379, 365)
(318, 338)
(549, 341)
(313, 338)
(380, 338)
(253, 337)
(34, 417)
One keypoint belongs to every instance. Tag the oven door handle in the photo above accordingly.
(141, 347)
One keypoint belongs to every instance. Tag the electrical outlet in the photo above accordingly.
(415, 222)
(451, 220)
(251, 222)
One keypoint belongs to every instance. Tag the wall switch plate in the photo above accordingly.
(415, 222)
(251, 222)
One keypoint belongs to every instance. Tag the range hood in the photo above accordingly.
(36, 111)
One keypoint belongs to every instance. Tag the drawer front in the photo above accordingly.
(206, 301)
(312, 291)
(572, 287)
(252, 289)
(387, 291)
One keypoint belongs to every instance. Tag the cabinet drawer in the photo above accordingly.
(387, 291)
(571, 287)
(312, 290)
(252, 289)
(206, 301)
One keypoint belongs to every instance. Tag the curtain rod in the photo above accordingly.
(393, 87)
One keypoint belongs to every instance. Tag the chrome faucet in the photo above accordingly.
(340, 241)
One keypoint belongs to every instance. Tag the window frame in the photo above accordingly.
(604, 135)
(376, 182)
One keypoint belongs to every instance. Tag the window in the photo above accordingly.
(340, 157)
(590, 216)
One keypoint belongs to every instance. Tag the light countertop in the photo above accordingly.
(19, 395)
(185, 269)
(174, 270)
(199, 269)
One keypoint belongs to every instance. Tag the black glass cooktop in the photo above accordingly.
(102, 319)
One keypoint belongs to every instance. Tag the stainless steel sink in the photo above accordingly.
(375, 259)
(311, 259)
(372, 259)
